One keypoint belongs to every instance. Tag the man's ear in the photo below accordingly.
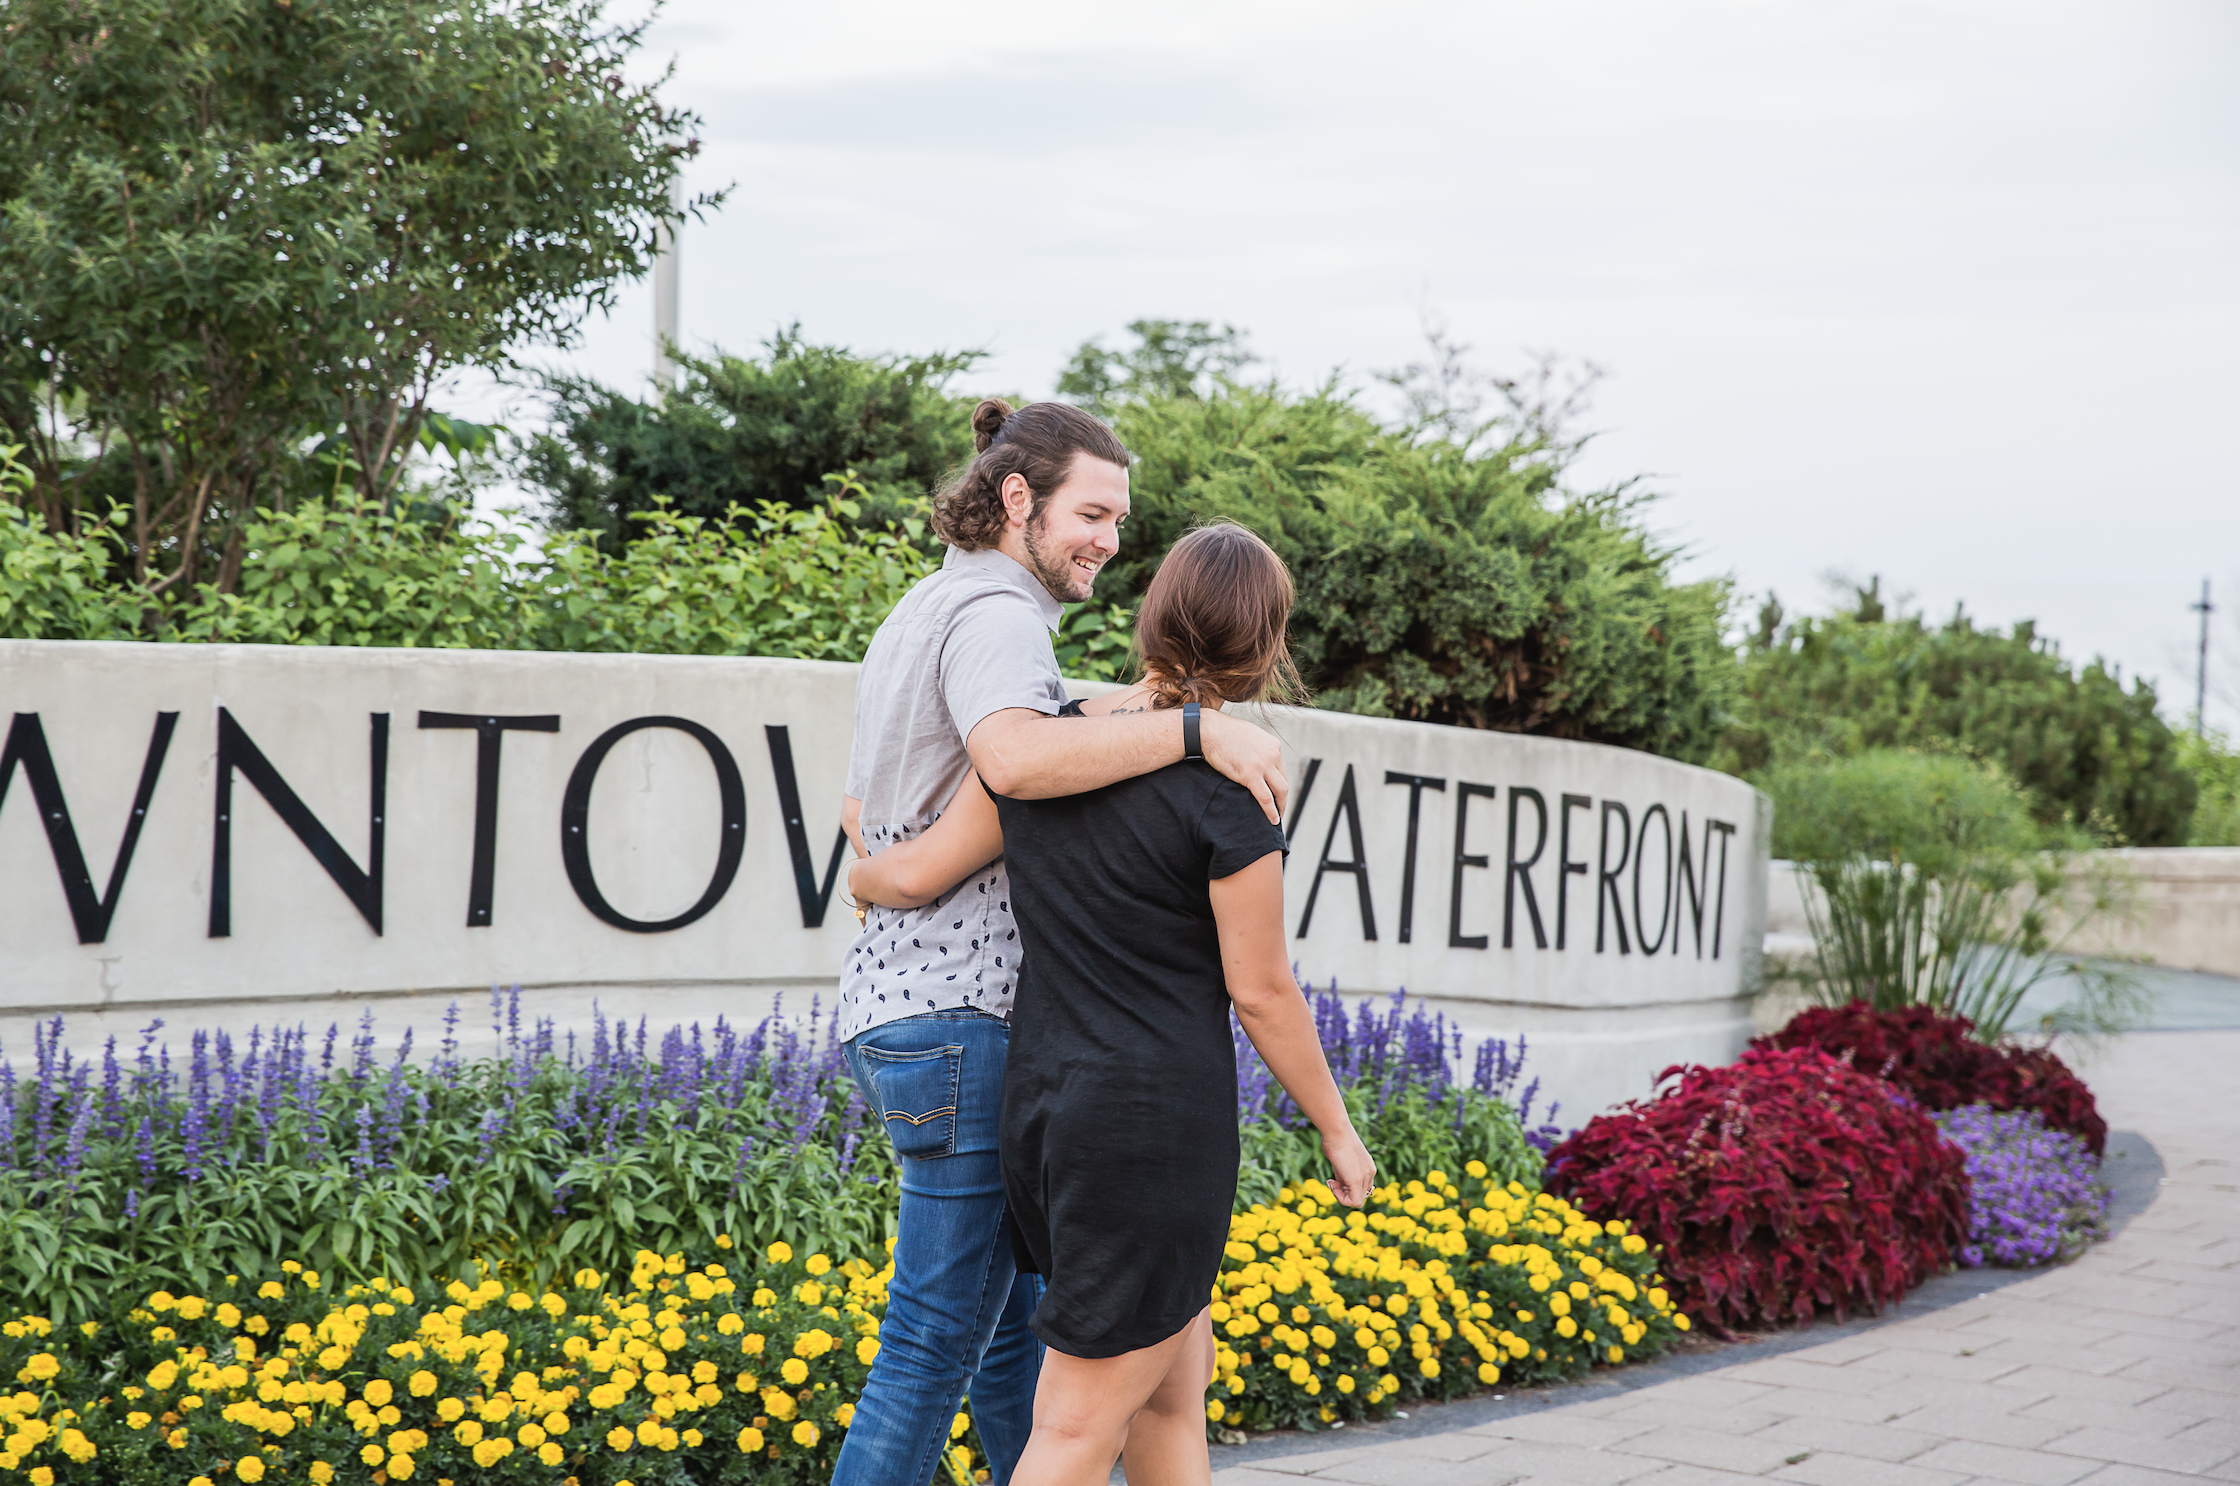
(1018, 499)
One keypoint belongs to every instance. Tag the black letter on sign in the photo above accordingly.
(1719, 913)
(1349, 809)
(814, 899)
(1456, 939)
(27, 745)
(362, 888)
(1520, 870)
(1689, 885)
(575, 818)
(1299, 807)
(1417, 784)
(1607, 893)
(1563, 853)
(1640, 860)
(489, 736)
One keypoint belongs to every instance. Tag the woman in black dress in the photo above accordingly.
(1148, 909)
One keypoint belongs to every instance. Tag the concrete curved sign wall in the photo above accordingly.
(222, 834)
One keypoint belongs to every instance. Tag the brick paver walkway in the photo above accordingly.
(2122, 1369)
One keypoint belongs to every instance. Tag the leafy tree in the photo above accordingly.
(1434, 582)
(228, 227)
(1170, 358)
(739, 432)
(2091, 755)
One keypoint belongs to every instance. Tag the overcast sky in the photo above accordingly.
(1945, 292)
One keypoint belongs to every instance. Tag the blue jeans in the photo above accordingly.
(957, 1307)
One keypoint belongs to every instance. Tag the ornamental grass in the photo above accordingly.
(748, 1369)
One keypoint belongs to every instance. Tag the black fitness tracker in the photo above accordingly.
(1190, 746)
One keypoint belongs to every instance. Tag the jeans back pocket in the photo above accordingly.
(917, 1097)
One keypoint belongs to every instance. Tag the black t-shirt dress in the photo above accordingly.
(1120, 1091)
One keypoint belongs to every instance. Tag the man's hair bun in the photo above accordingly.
(987, 421)
(1038, 443)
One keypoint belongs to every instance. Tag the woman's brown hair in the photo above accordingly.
(1212, 624)
(1037, 442)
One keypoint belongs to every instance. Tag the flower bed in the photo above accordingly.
(178, 1167)
(1436, 1289)
(1782, 1185)
(2034, 1193)
(1938, 1060)
(750, 1370)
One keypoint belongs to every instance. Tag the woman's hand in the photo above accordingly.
(1352, 1171)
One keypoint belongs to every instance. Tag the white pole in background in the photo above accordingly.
(665, 300)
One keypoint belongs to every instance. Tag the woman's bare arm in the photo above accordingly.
(911, 873)
(1248, 909)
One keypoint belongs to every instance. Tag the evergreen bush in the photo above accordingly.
(1437, 582)
(2093, 757)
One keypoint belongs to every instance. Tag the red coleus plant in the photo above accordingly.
(1937, 1059)
(1782, 1185)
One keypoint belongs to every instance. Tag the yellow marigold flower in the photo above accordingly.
(468, 1433)
(818, 1264)
(401, 1467)
(844, 1415)
(649, 1432)
(193, 1307)
(1680, 1320)
(810, 1293)
(1566, 1327)
(1217, 1411)
(778, 1403)
(1345, 1382)
(959, 1425)
(794, 1371)
(750, 1440)
(550, 1454)
(249, 1468)
(138, 1420)
(779, 1253)
(378, 1392)
(867, 1350)
(620, 1439)
(372, 1454)
(555, 1423)
(451, 1410)
(41, 1367)
(530, 1435)
(42, 1476)
(805, 1434)
(203, 1481)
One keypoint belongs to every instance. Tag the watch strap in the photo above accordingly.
(1191, 748)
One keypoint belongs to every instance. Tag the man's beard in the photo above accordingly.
(1057, 575)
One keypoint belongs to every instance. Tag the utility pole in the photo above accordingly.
(665, 301)
(2201, 676)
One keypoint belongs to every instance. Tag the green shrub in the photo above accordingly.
(2215, 766)
(53, 584)
(346, 574)
(1925, 887)
(1436, 583)
(2090, 754)
(808, 584)
(738, 432)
